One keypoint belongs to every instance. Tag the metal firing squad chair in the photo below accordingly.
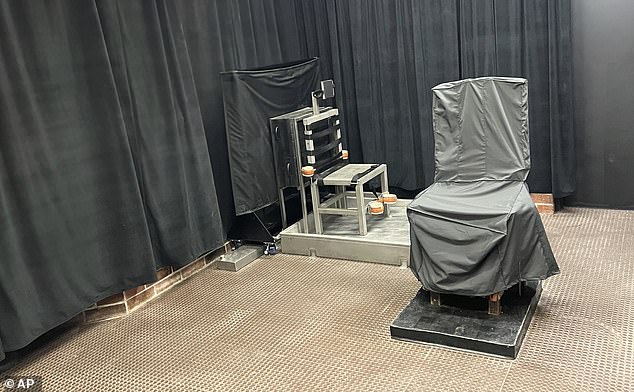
(325, 163)
(475, 231)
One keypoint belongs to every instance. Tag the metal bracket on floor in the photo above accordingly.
(240, 257)
(271, 249)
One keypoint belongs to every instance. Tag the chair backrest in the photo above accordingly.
(322, 146)
(481, 129)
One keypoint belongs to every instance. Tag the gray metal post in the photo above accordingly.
(300, 178)
(314, 194)
(363, 228)
(339, 191)
(315, 103)
(345, 197)
(385, 188)
(283, 208)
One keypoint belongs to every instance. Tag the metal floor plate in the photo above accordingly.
(299, 323)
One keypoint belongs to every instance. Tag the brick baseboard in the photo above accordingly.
(121, 304)
(545, 202)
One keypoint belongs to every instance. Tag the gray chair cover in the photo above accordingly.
(475, 231)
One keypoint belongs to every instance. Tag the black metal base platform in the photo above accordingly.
(463, 322)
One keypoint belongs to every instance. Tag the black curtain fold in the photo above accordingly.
(388, 56)
(603, 59)
(113, 148)
(73, 228)
(561, 97)
(156, 89)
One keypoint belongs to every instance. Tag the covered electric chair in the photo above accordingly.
(476, 231)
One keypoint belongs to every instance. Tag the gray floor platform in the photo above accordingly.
(387, 241)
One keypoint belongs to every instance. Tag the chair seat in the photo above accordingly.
(477, 238)
(347, 173)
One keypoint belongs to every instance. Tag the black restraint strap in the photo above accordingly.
(356, 177)
(325, 147)
(319, 177)
(324, 132)
(326, 163)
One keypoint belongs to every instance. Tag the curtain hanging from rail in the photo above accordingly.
(104, 171)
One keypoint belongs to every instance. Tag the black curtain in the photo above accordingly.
(149, 59)
(529, 39)
(387, 56)
(104, 170)
(251, 97)
(603, 58)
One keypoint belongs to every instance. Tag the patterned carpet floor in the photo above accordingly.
(299, 323)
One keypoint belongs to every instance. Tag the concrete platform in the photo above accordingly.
(387, 241)
(463, 322)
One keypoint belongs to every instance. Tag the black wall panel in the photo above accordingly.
(603, 58)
